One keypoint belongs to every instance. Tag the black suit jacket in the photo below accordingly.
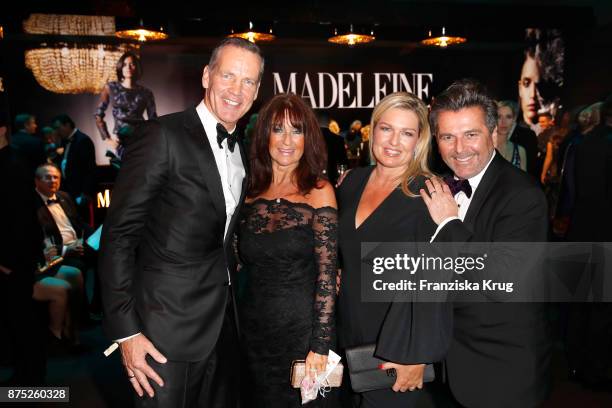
(527, 138)
(47, 222)
(20, 237)
(336, 154)
(163, 262)
(30, 147)
(80, 177)
(500, 352)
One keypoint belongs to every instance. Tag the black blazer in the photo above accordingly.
(80, 169)
(163, 262)
(30, 147)
(500, 352)
(527, 138)
(47, 222)
(336, 154)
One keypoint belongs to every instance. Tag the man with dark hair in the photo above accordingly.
(167, 263)
(78, 164)
(25, 141)
(499, 354)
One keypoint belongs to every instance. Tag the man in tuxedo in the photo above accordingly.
(78, 164)
(58, 217)
(167, 261)
(499, 354)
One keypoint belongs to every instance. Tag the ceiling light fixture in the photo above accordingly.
(254, 36)
(351, 38)
(443, 40)
(142, 33)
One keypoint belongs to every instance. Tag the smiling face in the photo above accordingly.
(395, 137)
(286, 145)
(465, 143)
(231, 85)
(528, 93)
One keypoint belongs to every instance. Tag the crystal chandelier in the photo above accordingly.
(72, 68)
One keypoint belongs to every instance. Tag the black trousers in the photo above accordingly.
(213, 382)
(25, 330)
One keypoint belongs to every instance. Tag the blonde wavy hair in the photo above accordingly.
(419, 165)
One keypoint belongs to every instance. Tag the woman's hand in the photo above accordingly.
(439, 200)
(409, 377)
(315, 364)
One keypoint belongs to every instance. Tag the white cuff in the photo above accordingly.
(442, 224)
(126, 338)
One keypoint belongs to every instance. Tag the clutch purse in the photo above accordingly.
(365, 374)
(298, 371)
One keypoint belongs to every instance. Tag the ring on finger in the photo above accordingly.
(432, 192)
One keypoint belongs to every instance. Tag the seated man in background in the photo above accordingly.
(63, 229)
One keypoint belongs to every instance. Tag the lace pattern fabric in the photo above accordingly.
(270, 216)
(288, 256)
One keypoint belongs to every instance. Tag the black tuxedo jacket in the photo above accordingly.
(336, 154)
(47, 222)
(163, 262)
(80, 177)
(30, 148)
(500, 352)
(527, 138)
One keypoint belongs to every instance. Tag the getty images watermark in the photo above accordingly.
(482, 272)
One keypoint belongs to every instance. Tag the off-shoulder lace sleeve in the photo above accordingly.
(325, 227)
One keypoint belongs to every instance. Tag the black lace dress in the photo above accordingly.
(288, 253)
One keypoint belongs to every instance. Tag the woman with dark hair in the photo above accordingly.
(287, 249)
(129, 99)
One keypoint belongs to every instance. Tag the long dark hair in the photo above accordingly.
(312, 163)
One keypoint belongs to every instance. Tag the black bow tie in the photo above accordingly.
(52, 201)
(223, 134)
(459, 185)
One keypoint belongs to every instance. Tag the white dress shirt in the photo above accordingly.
(463, 201)
(228, 163)
(230, 169)
(62, 221)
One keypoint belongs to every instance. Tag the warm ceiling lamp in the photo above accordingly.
(142, 33)
(443, 40)
(351, 38)
(254, 36)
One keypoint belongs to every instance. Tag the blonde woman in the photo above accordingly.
(381, 203)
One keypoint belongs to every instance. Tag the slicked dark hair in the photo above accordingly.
(309, 171)
(462, 94)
